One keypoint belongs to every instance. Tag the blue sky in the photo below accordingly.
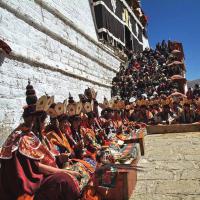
(176, 20)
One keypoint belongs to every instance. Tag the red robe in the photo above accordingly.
(20, 174)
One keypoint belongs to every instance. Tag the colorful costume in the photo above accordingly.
(19, 173)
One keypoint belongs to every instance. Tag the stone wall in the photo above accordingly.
(54, 44)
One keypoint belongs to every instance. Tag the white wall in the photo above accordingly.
(145, 42)
(55, 45)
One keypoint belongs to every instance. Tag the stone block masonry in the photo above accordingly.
(54, 43)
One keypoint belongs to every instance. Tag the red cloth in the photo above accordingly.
(58, 186)
(28, 145)
(20, 175)
(136, 66)
(85, 124)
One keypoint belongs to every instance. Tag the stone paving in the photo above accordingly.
(170, 169)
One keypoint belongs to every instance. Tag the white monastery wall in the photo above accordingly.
(55, 45)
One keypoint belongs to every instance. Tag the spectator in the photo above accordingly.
(189, 93)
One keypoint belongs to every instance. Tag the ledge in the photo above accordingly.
(174, 128)
(38, 64)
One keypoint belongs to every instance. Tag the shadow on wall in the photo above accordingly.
(5, 128)
(2, 58)
(4, 49)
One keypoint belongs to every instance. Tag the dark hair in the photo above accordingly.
(63, 118)
(166, 106)
(109, 110)
(118, 111)
(29, 110)
(74, 118)
(40, 118)
(91, 115)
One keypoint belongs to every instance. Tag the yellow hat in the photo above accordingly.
(106, 104)
(44, 103)
(138, 102)
(167, 101)
(90, 93)
(152, 102)
(87, 107)
(79, 107)
(114, 104)
(58, 110)
(74, 108)
(121, 105)
(143, 102)
(71, 109)
(157, 101)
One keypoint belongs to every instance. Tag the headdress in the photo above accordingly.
(106, 104)
(87, 107)
(90, 93)
(31, 100)
(44, 103)
(142, 103)
(118, 105)
(57, 110)
(74, 109)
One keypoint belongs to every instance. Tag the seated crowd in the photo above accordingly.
(148, 73)
(153, 81)
(193, 93)
(61, 149)
(165, 110)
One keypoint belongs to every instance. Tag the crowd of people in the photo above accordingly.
(149, 73)
(153, 81)
(62, 150)
(194, 92)
(163, 110)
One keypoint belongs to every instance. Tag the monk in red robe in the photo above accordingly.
(28, 169)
